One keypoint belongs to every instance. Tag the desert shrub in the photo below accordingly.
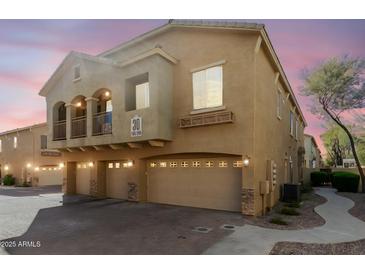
(289, 211)
(318, 178)
(278, 221)
(293, 205)
(9, 180)
(345, 181)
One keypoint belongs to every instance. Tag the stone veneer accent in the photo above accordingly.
(248, 201)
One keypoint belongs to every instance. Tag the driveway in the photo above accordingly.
(19, 207)
(118, 227)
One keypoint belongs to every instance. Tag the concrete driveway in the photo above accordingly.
(119, 227)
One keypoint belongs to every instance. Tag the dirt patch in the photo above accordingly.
(293, 248)
(307, 218)
(358, 210)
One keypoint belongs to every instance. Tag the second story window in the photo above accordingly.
(43, 141)
(137, 95)
(208, 88)
(291, 123)
(77, 73)
(1, 146)
(15, 142)
(142, 95)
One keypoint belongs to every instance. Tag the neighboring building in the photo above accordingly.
(349, 163)
(312, 157)
(24, 154)
(193, 113)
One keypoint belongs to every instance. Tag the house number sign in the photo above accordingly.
(136, 126)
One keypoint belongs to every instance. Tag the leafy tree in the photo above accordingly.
(337, 85)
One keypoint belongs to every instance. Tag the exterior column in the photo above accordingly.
(248, 190)
(90, 110)
(68, 120)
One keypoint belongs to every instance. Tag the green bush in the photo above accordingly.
(278, 221)
(345, 181)
(289, 211)
(9, 180)
(318, 178)
(293, 205)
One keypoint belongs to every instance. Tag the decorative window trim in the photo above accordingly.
(173, 164)
(223, 164)
(184, 164)
(218, 63)
(209, 164)
(162, 164)
(238, 163)
(196, 164)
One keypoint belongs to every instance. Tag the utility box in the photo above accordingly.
(291, 193)
(264, 187)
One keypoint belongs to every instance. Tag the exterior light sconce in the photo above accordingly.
(246, 161)
(61, 165)
(78, 104)
(91, 164)
(128, 164)
(36, 169)
(107, 94)
(29, 165)
(6, 167)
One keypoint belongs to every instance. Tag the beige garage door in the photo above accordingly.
(116, 181)
(50, 176)
(83, 179)
(206, 182)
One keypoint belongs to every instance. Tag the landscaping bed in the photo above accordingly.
(358, 210)
(293, 248)
(307, 218)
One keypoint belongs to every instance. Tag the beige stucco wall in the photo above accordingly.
(249, 91)
(28, 151)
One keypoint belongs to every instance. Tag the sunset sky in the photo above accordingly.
(30, 51)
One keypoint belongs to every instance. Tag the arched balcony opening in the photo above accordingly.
(102, 112)
(78, 117)
(59, 121)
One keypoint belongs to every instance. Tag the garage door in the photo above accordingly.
(50, 176)
(116, 181)
(205, 182)
(83, 179)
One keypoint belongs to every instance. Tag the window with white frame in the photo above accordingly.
(15, 142)
(208, 88)
(238, 164)
(142, 95)
(279, 104)
(291, 123)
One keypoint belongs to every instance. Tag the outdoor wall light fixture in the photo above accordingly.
(128, 164)
(78, 104)
(246, 161)
(29, 165)
(36, 169)
(107, 94)
(6, 167)
(91, 164)
(61, 165)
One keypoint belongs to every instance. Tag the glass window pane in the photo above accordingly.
(208, 87)
(142, 96)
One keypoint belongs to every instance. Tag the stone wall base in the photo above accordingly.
(248, 201)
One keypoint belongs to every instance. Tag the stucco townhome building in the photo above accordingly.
(312, 157)
(193, 113)
(25, 155)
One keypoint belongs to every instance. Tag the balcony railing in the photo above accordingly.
(102, 123)
(59, 130)
(78, 127)
(206, 119)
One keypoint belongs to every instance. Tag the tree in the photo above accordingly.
(337, 86)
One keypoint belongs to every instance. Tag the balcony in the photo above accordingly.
(59, 130)
(78, 127)
(213, 118)
(102, 123)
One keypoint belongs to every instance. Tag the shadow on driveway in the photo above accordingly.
(29, 191)
(118, 227)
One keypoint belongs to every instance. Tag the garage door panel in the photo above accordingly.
(49, 176)
(83, 179)
(213, 187)
(117, 183)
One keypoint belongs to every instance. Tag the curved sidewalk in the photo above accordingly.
(340, 226)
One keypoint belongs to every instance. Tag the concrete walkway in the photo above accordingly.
(340, 226)
(18, 213)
